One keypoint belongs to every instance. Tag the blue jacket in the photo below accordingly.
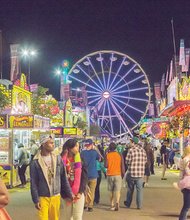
(39, 179)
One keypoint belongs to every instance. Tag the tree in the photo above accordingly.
(82, 125)
(4, 99)
(94, 130)
(43, 104)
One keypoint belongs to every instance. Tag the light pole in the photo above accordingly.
(28, 54)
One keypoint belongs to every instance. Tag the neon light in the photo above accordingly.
(128, 97)
(129, 90)
(106, 95)
(109, 71)
(89, 91)
(102, 70)
(110, 117)
(117, 72)
(123, 77)
(93, 96)
(89, 77)
(130, 106)
(95, 72)
(71, 76)
(94, 100)
(125, 112)
(129, 82)
(104, 108)
(119, 116)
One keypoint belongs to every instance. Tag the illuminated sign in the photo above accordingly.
(21, 97)
(70, 131)
(3, 121)
(57, 131)
(21, 121)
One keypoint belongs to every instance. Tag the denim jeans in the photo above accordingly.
(186, 204)
(132, 182)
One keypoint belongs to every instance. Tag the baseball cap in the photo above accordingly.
(135, 140)
(88, 142)
(45, 138)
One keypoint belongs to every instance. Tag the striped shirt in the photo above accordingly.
(136, 160)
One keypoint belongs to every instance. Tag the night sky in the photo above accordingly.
(74, 28)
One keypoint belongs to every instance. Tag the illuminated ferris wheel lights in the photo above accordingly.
(126, 63)
(123, 111)
(132, 98)
(99, 59)
(113, 59)
(76, 71)
(123, 77)
(89, 77)
(86, 63)
(130, 90)
(137, 109)
(111, 83)
(109, 87)
(137, 70)
(106, 95)
(95, 72)
(144, 81)
(87, 84)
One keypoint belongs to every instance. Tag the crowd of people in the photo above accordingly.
(74, 174)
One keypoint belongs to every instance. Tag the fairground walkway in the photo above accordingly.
(161, 201)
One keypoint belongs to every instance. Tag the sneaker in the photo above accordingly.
(85, 208)
(112, 208)
(146, 185)
(175, 185)
(90, 209)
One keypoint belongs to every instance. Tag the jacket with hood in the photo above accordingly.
(39, 178)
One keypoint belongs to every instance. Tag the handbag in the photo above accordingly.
(4, 214)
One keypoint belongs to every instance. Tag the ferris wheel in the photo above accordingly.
(118, 90)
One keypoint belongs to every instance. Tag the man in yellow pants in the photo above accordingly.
(48, 181)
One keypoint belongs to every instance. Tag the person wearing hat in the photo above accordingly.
(48, 181)
(136, 160)
(90, 156)
(23, 161)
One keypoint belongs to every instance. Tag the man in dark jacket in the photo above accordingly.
(48, 181)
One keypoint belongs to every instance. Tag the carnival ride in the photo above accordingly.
(118, 90)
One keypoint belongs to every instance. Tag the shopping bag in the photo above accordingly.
(4, 214)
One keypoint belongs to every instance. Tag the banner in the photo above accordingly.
(151, 110)
(157, 91)
(64, 91)
(14, 62)
(167, 78)
(163, 84)
(33, 87)
(171, 71)
(185, 67)
(182, 53)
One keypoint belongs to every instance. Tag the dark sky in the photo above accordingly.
(74, 28)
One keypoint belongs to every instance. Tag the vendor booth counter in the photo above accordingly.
(16, 129)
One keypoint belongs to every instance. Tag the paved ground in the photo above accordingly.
(161, 201)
